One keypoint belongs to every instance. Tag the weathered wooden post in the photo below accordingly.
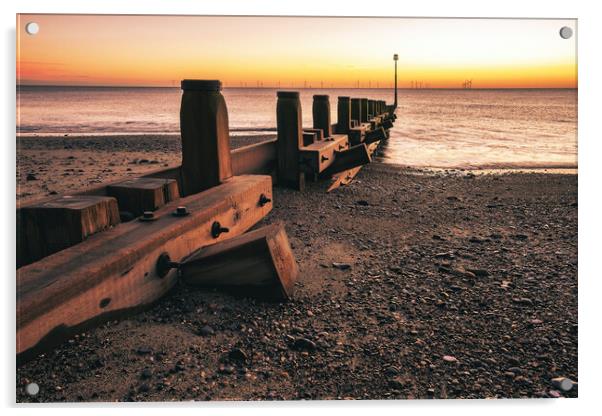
(290, 139)
(321, 114)
(205, 136)
(259, 263)
(363, 110)
(343, 115)
(348, 159)
(371, 109)
(356, 114)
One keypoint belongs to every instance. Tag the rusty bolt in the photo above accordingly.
(180, 212)
(263, 200)
(217, 229)
(148, 216)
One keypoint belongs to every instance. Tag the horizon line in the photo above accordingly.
(296, 88)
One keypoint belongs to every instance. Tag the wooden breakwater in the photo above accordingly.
(106, 251)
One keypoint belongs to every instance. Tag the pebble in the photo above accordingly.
(143, 350)
(226, 369)
(396, 383)
(479, 272)
(304, 344)
(206, 331)
(237, 354)
(450, 358)
(31, 177)
(562, 383)
(341, 266)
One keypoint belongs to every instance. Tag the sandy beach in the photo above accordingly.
(413, 284)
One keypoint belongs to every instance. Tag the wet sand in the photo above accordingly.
(413, 284)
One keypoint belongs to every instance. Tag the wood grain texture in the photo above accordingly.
(321, 114)
(350, 158)
(343, 115)
(259, 263)
(346, 177)
(206, 158)
(115, 271)
(61, 222)
(255, 159)
(290, 139)
(316, 157)
(137, 195)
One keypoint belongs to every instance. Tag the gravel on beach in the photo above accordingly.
(413, 284)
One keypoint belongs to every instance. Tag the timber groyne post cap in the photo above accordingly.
(287, 94)
(201, 85)
(321, 97)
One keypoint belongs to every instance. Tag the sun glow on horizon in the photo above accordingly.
(293, 51)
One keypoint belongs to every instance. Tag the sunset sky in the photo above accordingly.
(295, 52)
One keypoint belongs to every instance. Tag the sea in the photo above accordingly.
(435, 128)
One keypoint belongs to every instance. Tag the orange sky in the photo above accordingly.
(339, 52)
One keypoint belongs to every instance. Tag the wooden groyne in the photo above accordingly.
(107, 251)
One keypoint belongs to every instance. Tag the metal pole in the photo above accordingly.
(395, 57)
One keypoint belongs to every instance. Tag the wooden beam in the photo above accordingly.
(309, 137)
(259, 263)
(347, 159)
(347, 176)
(290, 139)
(258, 158)
(61, 222)
(143, 194)
(114, 272)
(318, 132)
(205, 136)
(387, 124)
(375, 135)
(318, 156)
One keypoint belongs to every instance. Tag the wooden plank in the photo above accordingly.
(258, 158)
(350, 158)
(318, 156)
(51, 226)
(387, 124)
(259, 263)
(205, 134)
(114, 272)
(309, 137)
(318, 132)
(347, 176)
(143, 194)
(375, 135)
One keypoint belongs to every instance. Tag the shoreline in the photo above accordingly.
(57, 164)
